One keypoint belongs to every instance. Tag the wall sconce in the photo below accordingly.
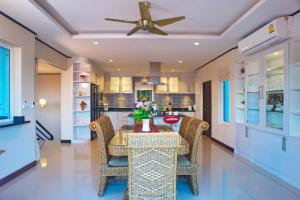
(43, 162)
(42, 103)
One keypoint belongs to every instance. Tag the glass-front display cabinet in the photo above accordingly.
(253, 80)
(294, 89)
(274, 88)
(265, 89)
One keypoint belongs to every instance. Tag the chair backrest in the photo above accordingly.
(105, 132)
(152, 160)
(193, 135)
(184, 125)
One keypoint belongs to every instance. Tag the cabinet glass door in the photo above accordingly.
(274, 89)
(253, 91)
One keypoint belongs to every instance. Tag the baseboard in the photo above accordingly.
(259, 168)
(65, 141)
(17, 173)
(222, 144)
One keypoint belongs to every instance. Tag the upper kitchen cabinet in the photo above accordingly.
(126, 84)
(187, 83)
(116, 84)
(163, 88)
(181, 83)
(173, 85)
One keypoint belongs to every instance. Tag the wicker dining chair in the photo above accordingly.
(109, 165)
(187, 165)
(152, 166)
(184, 125)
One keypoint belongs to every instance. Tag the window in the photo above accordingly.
(226, 100)
(5, 105)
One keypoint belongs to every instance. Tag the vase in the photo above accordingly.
(146, 125)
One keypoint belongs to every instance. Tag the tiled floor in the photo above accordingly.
(71, 174)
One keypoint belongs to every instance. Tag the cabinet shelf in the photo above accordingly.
(254, 109)
(295, 112)
(81, 96)
(81, 111)
(254, 74)
(275, 111)
(296, 64)
(80, 125)
(296, 89)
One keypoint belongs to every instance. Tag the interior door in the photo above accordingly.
(207, 105)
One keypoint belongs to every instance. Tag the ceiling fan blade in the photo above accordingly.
(165, 22)
(134, 30)
(121, 20)
(157, 31)
(144, 10)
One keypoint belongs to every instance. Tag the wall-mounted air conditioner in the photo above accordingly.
(272, 33)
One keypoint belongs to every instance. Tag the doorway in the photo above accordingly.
(207, 106)
(48, 98)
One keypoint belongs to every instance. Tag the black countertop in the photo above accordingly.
(131, 109)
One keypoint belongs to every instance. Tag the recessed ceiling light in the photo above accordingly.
(276, 53)
(111, 60)
(196, 43)
(96, 43)
(173, 70)
(119, 69)
(180, 61)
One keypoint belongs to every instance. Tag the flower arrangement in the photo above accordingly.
(146, 110)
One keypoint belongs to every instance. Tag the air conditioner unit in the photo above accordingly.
(272, 33)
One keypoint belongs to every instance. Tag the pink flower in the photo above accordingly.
(147, 103)
(155, 107)
(139, 104)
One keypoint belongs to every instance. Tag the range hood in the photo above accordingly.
(155, 71)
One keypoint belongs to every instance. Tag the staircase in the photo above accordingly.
(42, 134)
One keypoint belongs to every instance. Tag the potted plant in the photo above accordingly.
(144, 112)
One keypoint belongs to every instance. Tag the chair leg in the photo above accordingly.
(194, 184)
(126, 196)
(102, 185)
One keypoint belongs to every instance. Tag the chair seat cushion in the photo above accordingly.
(182, 160)
(118, 161)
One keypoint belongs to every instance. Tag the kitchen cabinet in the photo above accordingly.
(118, 119)
(120, 84)
(183, 83)
(190, 114)
(173, 85)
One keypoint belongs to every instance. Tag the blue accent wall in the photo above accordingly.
(226, 100)
(4, 83)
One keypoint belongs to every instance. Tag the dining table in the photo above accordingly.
(118, 144)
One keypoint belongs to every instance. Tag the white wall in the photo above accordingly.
(19, 142)
(264, 148)
(221, 131)
(48, 87)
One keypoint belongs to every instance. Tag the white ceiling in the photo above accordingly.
(216, 24)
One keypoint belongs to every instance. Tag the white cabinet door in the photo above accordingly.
(190, 114)
(114, 84)
(114, 119)
(126, 84)
(123, 118)
(173, 84)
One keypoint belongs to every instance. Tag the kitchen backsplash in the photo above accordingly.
(119, 100)
(177, 100)
(127, 100)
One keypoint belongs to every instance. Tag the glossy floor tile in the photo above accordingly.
(69, 172)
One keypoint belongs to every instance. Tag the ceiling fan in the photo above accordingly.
(146, 22)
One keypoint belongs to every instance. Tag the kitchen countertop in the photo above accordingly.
(131, 109)
(159, 115)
